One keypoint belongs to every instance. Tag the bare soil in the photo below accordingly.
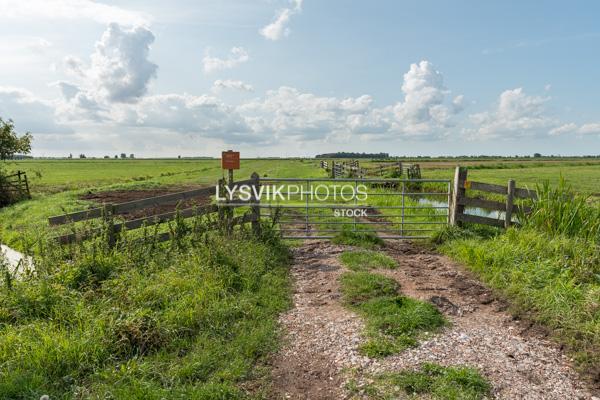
(321, 336)
(124, 196)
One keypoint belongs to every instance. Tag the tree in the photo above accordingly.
(123, 155)
(82, 155)
(131, 155)
(11, 143)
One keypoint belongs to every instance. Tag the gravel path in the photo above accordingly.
(320, 351)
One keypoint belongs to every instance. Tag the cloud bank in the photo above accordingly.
(112, 92)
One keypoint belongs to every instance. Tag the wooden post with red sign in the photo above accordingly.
(230, 160)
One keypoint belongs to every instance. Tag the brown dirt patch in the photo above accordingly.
(124, 196)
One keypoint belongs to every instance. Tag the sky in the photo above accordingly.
(302, 77)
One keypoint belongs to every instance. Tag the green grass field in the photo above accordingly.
(548, 270)
(56, 185)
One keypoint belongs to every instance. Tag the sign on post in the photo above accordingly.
(230, 159)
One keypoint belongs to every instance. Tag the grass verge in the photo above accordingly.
(363, 260)
(554, 280)
(431, 381)
(393, 322)
(187, 320)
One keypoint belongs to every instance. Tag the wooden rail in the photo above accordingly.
(109, 211)
(354, 170)
(16, 185)
(460, 200)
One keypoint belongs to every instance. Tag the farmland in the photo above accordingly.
(121, 301)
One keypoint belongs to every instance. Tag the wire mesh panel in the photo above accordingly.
(318, 208)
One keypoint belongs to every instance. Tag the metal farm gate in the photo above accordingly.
(321, 208)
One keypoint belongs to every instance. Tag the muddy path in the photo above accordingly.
(321, 337)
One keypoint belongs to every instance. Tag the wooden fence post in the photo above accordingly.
(400, 167)
(108, 212)
(222, 192)
(256, 200)
(458, 192)
(27, 187)
(509, 203)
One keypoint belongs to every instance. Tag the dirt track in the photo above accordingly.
(322, 337)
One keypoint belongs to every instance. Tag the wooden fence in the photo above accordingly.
(16, 186)
(354, 170)
(460, 200)
(108, 212)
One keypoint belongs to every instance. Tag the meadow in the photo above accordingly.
(548, 268)
(57, 185)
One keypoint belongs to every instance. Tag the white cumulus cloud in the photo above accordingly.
(592, 128)
(517, 114)
(119, 70)
(222, 84)
(237, 56)
(278, 27)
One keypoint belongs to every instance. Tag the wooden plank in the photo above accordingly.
(476, 219)
(76, 216)
(486, 187)
(482, 203)
(135, 205)
(161, 218)
(138, 223)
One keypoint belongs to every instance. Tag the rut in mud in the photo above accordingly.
(320, 355)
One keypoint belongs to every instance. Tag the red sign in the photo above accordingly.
(230, 159)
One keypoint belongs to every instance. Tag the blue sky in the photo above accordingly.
(292, 77)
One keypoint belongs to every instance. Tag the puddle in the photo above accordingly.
(481, 212)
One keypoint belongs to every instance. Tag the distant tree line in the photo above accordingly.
(343, 154)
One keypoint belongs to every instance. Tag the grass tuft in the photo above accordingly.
(431, 381)
(364, 260)
(393, 322)
(358, 238)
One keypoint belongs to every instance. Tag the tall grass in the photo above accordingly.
(188, 318)
(559, 211)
